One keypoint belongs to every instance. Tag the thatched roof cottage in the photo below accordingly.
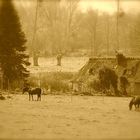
(133, 72)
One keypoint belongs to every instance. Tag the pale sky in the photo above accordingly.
(111, 5)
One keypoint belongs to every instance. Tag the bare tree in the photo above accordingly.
(91, 23)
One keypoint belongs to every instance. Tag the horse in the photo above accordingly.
(31, 92)
(134, 101)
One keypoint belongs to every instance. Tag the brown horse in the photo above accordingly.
(31, 92)
(134, 101)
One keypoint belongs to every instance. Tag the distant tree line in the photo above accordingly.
(63, 27)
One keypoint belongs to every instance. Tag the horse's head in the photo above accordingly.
(131, 103)
(25, 89)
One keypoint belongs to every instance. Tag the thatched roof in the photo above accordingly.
(99, 62)
(95, 64)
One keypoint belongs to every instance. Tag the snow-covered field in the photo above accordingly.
(79, 117)
(69, 64)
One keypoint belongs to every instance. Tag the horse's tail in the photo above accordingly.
(131, 103)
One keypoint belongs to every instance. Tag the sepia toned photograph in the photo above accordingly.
(69, 69)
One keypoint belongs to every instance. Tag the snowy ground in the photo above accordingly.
(69, 64)
(79, 117)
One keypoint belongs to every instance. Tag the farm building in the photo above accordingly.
(135, 78)
(83, 81)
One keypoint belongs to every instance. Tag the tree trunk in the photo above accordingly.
(35, 60)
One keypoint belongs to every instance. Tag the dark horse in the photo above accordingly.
(134, 101)
(34, 91)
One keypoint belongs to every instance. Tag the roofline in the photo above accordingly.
(112, 58)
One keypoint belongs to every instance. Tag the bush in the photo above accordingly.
(108, 78)
(96, 85)
(58, 81)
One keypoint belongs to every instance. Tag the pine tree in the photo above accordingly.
(13, 59)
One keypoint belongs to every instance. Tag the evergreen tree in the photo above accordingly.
(13, 59)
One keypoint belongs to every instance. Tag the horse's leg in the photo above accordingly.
(135, 106)
(29, 97)
(37, 97)
(32, 97)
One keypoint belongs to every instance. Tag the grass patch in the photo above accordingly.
(56, 81)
